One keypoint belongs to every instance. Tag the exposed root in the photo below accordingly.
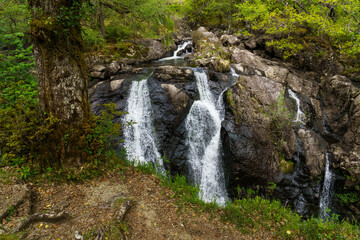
(119, 217)
(26, 196)
(42, 217)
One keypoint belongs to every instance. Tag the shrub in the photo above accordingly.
(92, 37)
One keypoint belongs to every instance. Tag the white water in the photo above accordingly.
(325, 196)
(180, 48)
(203, 125)
(300, 116)
(233, 73)
(139, 140)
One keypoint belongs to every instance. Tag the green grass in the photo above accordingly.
(257, 214)
(250, 214)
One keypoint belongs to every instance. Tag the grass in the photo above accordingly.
(257, 214)
(250, 214)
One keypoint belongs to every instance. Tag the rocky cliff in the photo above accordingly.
(263, 140)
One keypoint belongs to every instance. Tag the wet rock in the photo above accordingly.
(314, 151)
(178, 98)
(247, 135)
(337, 92)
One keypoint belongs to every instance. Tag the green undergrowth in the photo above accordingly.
(253, 213)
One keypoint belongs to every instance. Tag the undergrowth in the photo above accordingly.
(253, 213)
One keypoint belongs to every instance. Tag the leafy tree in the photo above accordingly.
(116, 20)
(216, 13)
(297, 23)
(14, 16)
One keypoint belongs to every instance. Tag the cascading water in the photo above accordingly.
(181, 47)
(325, 197)
(300, 116)
(139, 137)
(203, 125)
(233, 73)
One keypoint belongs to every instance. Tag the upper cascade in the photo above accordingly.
(182, 47)
(300, 116)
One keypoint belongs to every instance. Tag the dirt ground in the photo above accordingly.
(85, 209)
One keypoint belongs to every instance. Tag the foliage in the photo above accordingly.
(92, 37)
(211, 13)
(14, 17)
(280, 121)
(253, 213)
(17, 84)
(297, 24)
(117, 20)
(36, 142)
(349, 197)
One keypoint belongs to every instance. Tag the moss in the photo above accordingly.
(286, 166)
(131, 50)
(230, 100)
(119, 202)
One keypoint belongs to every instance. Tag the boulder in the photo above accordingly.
(250, 43)
(178, 98)
(99, 75)
(99, 68)
(229, 40)
(112, 68)
(116, 84)
(173, 74)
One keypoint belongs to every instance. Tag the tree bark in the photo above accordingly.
(58, 50)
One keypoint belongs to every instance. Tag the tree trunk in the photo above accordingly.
(58, 50)
(61, 71)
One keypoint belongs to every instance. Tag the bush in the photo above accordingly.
(92, 37)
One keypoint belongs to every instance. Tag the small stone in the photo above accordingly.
(78, 236)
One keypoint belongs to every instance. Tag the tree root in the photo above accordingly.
(42, 217)
(24, 197)
(119, 217)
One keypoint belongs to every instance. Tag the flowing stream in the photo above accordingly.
(325, 197)
(140, 140)
(300, 116)
(181, 47)
(203, 125)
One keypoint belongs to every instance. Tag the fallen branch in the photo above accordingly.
(42, 217)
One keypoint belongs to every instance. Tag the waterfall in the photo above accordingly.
(203, 125)
(325, 197)
(180, 47)
(233, 73)
(139, 137)
(300, 116)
